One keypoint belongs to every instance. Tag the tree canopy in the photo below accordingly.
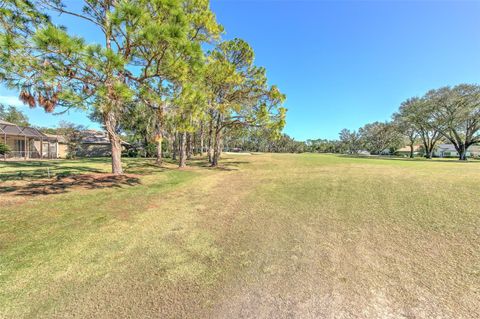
(151, 74)
(13, 115)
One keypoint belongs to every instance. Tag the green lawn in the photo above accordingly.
(269, 236)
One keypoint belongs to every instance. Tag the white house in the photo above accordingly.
(448, 150)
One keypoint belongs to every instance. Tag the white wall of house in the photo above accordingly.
(448, 150)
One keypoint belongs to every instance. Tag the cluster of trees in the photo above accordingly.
(325, 146)
(448, 114)
(260, 139)
(13, 115)
(376, 138)
(161, 72)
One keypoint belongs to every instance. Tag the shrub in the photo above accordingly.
(4, 149)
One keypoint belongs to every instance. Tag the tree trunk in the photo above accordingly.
(462, 152)
(110, 120)
(182, 150)
(159, 148)
(201, 139)
(145, 142)
(174, 147)
(189, 149)
(159, 135)
(194, 149)
(429, 154)
(115, 142)
(217, 142)
(210, 142)
(411, 150)
(218, 148)
(116, 156)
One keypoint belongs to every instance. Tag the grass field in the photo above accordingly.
(264, 236)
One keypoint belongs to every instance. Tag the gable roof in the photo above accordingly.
(7, 128)
(60, 138)
(5, 122)
(99, 140)
(97, 137)
(451, 148)
(407, 148)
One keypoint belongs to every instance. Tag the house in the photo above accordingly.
(448, 150)
(62, 145)
(96, 144)
(27, 142)
(405, 151)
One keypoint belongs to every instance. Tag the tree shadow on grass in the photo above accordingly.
(36, 170)
(145, 167)
(224, 165)
(35, 178)
(45, 171)
(63, 184)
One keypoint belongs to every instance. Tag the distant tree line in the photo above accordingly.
(447, 114)
(376, 138)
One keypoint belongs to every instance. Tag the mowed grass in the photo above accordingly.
(271, 236)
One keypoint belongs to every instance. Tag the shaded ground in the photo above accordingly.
(268, 236)
(62, 184)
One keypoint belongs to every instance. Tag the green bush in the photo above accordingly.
(4, 149)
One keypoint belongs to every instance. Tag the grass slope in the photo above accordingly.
(264, 236)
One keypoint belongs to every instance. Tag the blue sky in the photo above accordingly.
(343, 63)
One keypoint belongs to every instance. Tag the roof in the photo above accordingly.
(91, 137)
(59, 138)
(407, 148)
(24, 131)
(99, 140)
(95, 139)
(446, 147)
(451, 148)
(5, 122)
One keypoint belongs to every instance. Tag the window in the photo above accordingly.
(19, 145)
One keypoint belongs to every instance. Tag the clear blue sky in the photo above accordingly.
(343, 64)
